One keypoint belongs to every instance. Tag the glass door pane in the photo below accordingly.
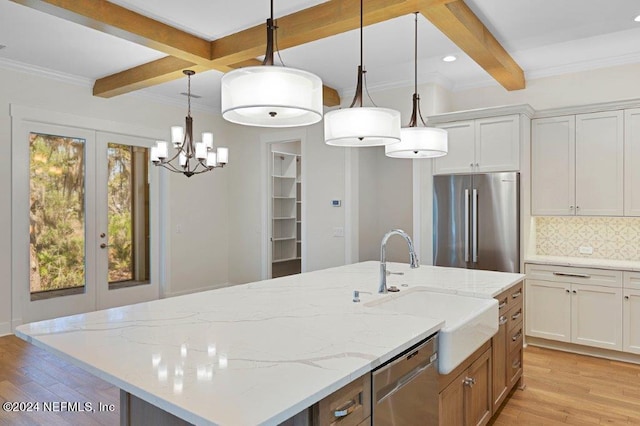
(127, 209)
(56, 215)
(128, 215)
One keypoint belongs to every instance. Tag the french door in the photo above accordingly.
(85, 209)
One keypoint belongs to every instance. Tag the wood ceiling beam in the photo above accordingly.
(128, 25)
(463, 27)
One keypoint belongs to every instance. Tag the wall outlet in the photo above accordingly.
(586, 250)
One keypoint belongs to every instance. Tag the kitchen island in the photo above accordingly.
(256, 353)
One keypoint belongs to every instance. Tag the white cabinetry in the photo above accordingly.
(632, 162)
(482, 145)
(577, 165)
(576, 305)
(631, 313)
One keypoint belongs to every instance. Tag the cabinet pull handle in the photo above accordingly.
(567, 290)
(469, 381)
(516, 336)
(516, 364)
(516, 295)
(626, 298)
(503, 320)
(346, 409)
(502, 304)
(570, 274)
(516, 315)
(575, 292)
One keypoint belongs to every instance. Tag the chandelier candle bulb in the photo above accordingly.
(201, 151)
(182, 159)
(223, 155)
(212, 160)
(177, 135)
(207, 139)
(162, 150)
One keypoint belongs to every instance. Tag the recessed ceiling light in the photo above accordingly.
(637, 19)
(449, 58)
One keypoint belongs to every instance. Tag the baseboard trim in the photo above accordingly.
(196, 290)
(584, 350)
(5, 329)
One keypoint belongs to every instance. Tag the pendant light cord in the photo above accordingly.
(415, 55)
(188, 95)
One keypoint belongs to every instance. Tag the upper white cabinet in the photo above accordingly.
(632, 162)
(481, 145)
(599, 164)
(577, 165)
(553, 151)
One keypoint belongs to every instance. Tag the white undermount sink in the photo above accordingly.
(469, 321)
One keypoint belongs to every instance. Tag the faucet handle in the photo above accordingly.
(394, 273)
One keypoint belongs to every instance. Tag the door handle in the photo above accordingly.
(570, 274)
(475, 225)
(103, 245)
(466, 225)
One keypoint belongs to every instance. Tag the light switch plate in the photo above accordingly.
(586, 250)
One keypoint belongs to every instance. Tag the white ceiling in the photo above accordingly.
(545, 37)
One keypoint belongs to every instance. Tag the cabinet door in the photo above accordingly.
(599, 164)
(548, 310)
(596, 316)
(631, 321)
(461, 155)
(452, 403)
(553, 166)
(499, 353)
(478, 404)
(632, 162)
(498, 144)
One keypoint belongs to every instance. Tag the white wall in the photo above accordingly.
(323, 180)
(600, 85)
(386, 184)
(199, 255)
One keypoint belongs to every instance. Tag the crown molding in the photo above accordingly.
(523, 109)
(10, 64)
(586, 109)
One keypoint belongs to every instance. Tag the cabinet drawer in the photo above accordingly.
(348, 406)
(515, 366)
(631, 280)
(509, 298)
(587, 276)
(514, 317)
(514, 337)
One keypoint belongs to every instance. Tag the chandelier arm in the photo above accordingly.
(424, 122)
(367, 90)
(357, 97)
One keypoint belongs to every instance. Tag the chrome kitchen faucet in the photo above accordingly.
(413, 258)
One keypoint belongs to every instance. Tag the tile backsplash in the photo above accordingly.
(615, 238)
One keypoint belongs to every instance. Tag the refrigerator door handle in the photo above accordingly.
(474, 212)
(466, 225)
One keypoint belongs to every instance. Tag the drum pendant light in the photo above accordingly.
(359, 126)
(269, 95)
(418, 142)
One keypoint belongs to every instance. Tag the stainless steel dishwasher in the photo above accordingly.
(405, 389)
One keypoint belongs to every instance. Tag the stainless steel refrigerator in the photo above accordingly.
(476, 221)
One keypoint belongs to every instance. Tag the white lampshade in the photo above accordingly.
(207, 139)
(212, 161)
(361, 127)
(271, 96)
(177, 135)
(161, 150)
(201, 151)
(419, 142)
(223, 155)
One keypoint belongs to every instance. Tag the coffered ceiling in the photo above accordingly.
(120, 51)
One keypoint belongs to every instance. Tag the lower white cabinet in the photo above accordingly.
(575, 305)
(631, 313)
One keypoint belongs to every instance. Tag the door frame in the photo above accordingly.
(21, 118)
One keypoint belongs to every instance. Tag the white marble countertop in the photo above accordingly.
(255, 353)
(620, 265)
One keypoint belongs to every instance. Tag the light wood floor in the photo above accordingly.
(562, 388)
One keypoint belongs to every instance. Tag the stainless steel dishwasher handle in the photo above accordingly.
(404, 380)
